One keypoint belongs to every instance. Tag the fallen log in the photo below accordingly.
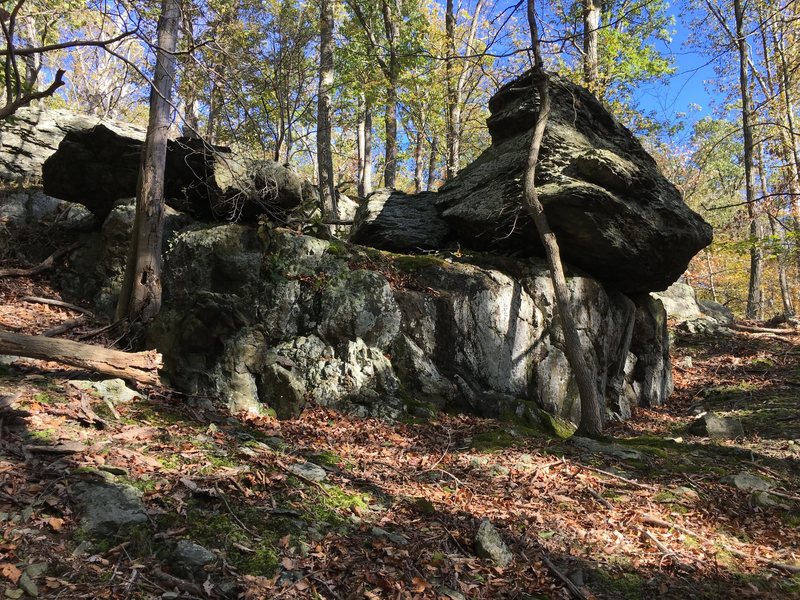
(753, 329)
(141, 367)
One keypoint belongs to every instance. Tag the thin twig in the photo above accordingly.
(183, 585)
(64, 327)
(644, 486)
(600, 499)
(542, 552)
(233, 514)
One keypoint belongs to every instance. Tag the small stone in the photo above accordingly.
(489, 545)
(762, 499)
(274, 442)
(684, 492)
(615, 450)
(716, 427)
(424, 506)
(746, 482)
(309, 471)
(28, 586)
(108, 507)
(36, 569)
(395, 538)
(191, 558)
(82, 549)
(14, 593)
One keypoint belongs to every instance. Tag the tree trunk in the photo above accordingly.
(390, 168)
(777, 234)
(140, 366)
(190, 128)
(711, 283)
(432, 159)
(783, 278)
(455, 85)
(327, 193)
(419, 163)
(754, 287)
(451, 166)
(591, 25)
(367, 183)
(360, 145)
(591, 410)
(140, 298)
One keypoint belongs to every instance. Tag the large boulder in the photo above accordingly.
(32, 134)
(400, 222)
(615, 215)
(693, 316)
(278, 319)
(98, 165)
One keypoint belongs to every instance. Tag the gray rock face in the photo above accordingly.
(292, 318)
(693, 316)
(714, 426)
(95, 269)
(489, 545)
(719, 312)
(650, 380)
(32, 207)
(613, 212)
(282, 390)
(29, 137)
(680, 302)
(106, 507)
(392, 220)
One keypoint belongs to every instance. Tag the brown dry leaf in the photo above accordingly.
(419, 585)
(10, 572)
(55, 523)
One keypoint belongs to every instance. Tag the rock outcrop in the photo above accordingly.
(613, 212)
(693, 316)
(259, 322)
(31, 135)
(399, 222)
(97, 166)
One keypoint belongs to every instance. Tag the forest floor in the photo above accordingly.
(646, 513)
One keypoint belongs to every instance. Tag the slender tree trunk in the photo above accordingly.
(711, 283)
(790, 155)
(591, 25)
(591, 410)
(754, 287)
(432, 160)
(190, 127)
(327, 192)
(455, 84)
(390, 168)
(360, 145)
(451, 138)
(419, 163)
(367, 182)
(140, 298)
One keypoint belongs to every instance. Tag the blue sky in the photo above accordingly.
(687, 89)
